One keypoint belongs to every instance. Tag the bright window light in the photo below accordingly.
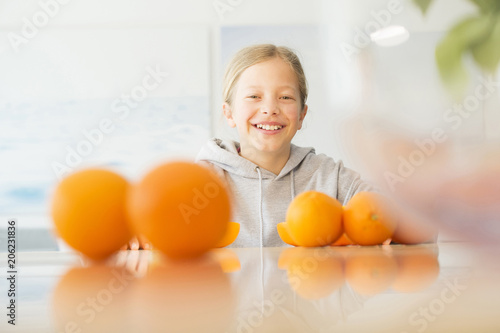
(390, 36)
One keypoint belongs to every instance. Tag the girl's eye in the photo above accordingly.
(287, 97)
(253, 96)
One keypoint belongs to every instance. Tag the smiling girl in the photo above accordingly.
(265, 93)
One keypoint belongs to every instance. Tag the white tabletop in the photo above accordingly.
(449, 287)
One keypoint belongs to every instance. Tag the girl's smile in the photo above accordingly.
(269, 127)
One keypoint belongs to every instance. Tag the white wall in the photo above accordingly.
(340, 16)
(157, 13)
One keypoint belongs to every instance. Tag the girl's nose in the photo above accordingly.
(269, 106)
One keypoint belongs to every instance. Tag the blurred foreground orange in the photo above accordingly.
(88, 209)
(453, 183)
(413, 228)
(181, 207)
(369, 218)
(467, 205)
(314, 219)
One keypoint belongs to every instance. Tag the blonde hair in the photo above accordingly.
(255, 54)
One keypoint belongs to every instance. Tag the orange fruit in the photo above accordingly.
(233, 229)
(314, 219)
(182, 208)
(369, 218)
(88, 210)
(314, 273)
(370, 272)
(285, 234)
(418, 268)
(343, 240)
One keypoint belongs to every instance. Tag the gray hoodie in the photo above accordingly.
(261, 198)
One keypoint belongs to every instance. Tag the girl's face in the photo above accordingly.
(266, 108)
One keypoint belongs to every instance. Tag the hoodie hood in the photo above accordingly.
(224, 154)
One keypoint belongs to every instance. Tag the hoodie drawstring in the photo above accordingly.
(260, 209)
(261, 240)
(292, 185)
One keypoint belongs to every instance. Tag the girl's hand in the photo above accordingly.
(135, 262)
(137, 243)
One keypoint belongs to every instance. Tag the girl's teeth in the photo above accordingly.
(269, 127)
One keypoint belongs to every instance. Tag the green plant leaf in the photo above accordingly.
(449, 52)
(487, 6)
(487, 53)
(450, 66)
(423, 5)
(470, 31)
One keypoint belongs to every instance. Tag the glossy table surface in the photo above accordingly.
(444, 287)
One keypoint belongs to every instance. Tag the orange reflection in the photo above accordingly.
(227, 259)
(313, 273)
(370, 271)
(92, 299)
(418, 268)
(185, 296)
